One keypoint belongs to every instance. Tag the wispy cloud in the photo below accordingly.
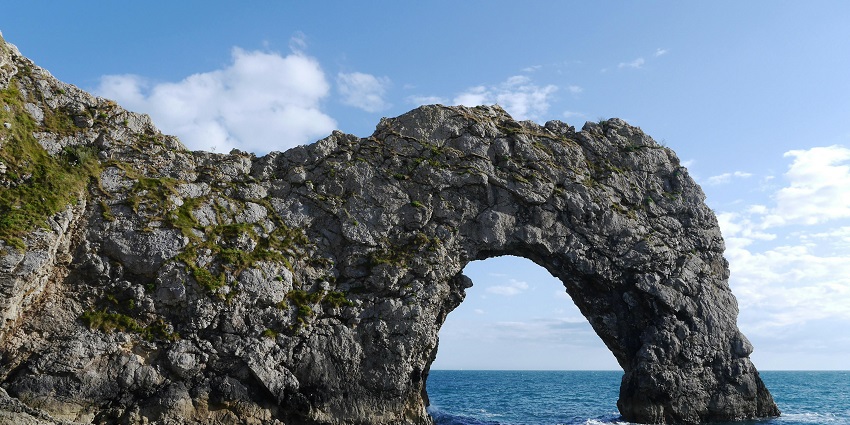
(639, 62)
(261, 101)
(562, 295)
(298, 42)
(511, 288)
(636, 64)
(363, 91)
(573, 114)
(572, 330)
(727, 177)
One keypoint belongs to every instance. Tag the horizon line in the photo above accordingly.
(616, 370)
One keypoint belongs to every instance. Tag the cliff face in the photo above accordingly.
(140, 281)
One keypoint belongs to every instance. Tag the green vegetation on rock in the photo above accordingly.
(304, 302)
(109, 322)
(282, 245)
(269, 333)
(37, 185)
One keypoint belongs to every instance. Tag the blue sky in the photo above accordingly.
(753, 96)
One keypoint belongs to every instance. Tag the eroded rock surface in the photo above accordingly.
(309, 286)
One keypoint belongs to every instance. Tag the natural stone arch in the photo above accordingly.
(606, 210)
(309, 286)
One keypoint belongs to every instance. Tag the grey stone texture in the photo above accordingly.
(309, 286)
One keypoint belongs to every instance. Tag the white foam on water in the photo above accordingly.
(814, 418)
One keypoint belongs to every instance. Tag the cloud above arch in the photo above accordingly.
(259, 102)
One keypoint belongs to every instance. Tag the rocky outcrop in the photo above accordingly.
(309, 286)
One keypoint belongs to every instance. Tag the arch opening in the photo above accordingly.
(518, 328)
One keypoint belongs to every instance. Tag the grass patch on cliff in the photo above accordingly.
(37, 184)
(422, 240)
(152, 196)
(269, 333)
(401, 254)
(391, 257)
(283, 245)
(337, 299)
(305, 301)
(206, 279)
(183, 219)
(110, 322)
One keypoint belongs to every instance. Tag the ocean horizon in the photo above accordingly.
(589, 397)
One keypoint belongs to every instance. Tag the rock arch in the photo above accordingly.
(309, 286)
(606, 210)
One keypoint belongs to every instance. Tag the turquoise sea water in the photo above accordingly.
(590, 397)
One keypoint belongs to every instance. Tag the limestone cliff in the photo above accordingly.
(141, 282)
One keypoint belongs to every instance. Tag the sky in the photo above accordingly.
(753, 96)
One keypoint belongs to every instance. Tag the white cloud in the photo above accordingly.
(660, 52)
(513, 287)
(742, 226)
(518, 95)
(126, 88)
(575, 89)
(819, 188)
(757, 209)
(783, 279)
(789, 284)
(364, 91)
(474, 96)
(260, 102)
(727, 177)
(636, 64)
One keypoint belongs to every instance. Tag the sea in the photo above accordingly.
(590, 397)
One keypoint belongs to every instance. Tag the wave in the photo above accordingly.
(445, 418)
(813, 418)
